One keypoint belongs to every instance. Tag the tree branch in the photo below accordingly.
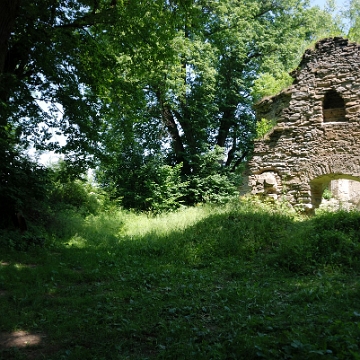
(90, 18)
(171, 126)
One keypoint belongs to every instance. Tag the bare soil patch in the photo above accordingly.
(20, 339)
(31, 345)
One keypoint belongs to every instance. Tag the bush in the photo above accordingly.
(327, 194)
(24, 186)
(214, 188)
(76, 193)
(341, 220)
(148, 183)
(263, 127)
(330, 239)
(211, 181)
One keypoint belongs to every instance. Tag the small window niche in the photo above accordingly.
(333, 107)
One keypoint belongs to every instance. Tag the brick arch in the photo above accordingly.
(317, 130)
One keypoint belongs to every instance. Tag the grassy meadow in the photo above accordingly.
(238, 281)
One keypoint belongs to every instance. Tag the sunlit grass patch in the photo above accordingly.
(77, 241)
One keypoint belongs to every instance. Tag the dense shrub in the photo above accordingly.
(148, 183)
(142, 183)
(214, 188)
(24, 186)
(211, 181)
(39, 193)
(341, 220)
(76, 193)
(330, 239)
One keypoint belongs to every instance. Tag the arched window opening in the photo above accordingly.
(333, 107)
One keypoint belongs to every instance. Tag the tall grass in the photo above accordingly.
(245, 280)
(243, 229)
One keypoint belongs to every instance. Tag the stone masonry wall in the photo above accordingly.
(317, 135)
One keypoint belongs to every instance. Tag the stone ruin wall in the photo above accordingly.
(346, 194)
(316, 138)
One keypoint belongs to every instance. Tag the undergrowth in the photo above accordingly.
(244, 280)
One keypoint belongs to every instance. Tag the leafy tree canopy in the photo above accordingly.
(188, 87)
(169, 79)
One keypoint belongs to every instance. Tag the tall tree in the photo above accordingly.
(52, 69)
(193, 72)
(160, 77)
(52, 63)
(352, 14)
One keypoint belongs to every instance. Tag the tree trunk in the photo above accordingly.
(226, 122)
(171, 126)
(8, 14)
(174, 133)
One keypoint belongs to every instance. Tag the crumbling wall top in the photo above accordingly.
(324, 52)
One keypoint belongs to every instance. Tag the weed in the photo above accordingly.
(327, 194)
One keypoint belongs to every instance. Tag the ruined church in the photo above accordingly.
(316, 138)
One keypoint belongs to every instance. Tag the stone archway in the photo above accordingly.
(332, 167)
(317, 132)
(318, 185)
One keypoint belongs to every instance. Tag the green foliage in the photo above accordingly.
(214, 188)
(331, 239)
(328, 22)
(24, 189)
(352, 13)
(14, 240)
(103, 75)
(147, 183)
(270, 84)
(263, 127)
(24, 186)
(67, 191)
(322, 23)
(77, 194)
(39, 193)
(211, 182)
(190, 89)
(193, 85)
(51, 73)
(327, 194)
(164, 187)
(210, 276)
(346, 221)
(143, 183)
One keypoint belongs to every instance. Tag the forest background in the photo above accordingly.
(156, 96)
